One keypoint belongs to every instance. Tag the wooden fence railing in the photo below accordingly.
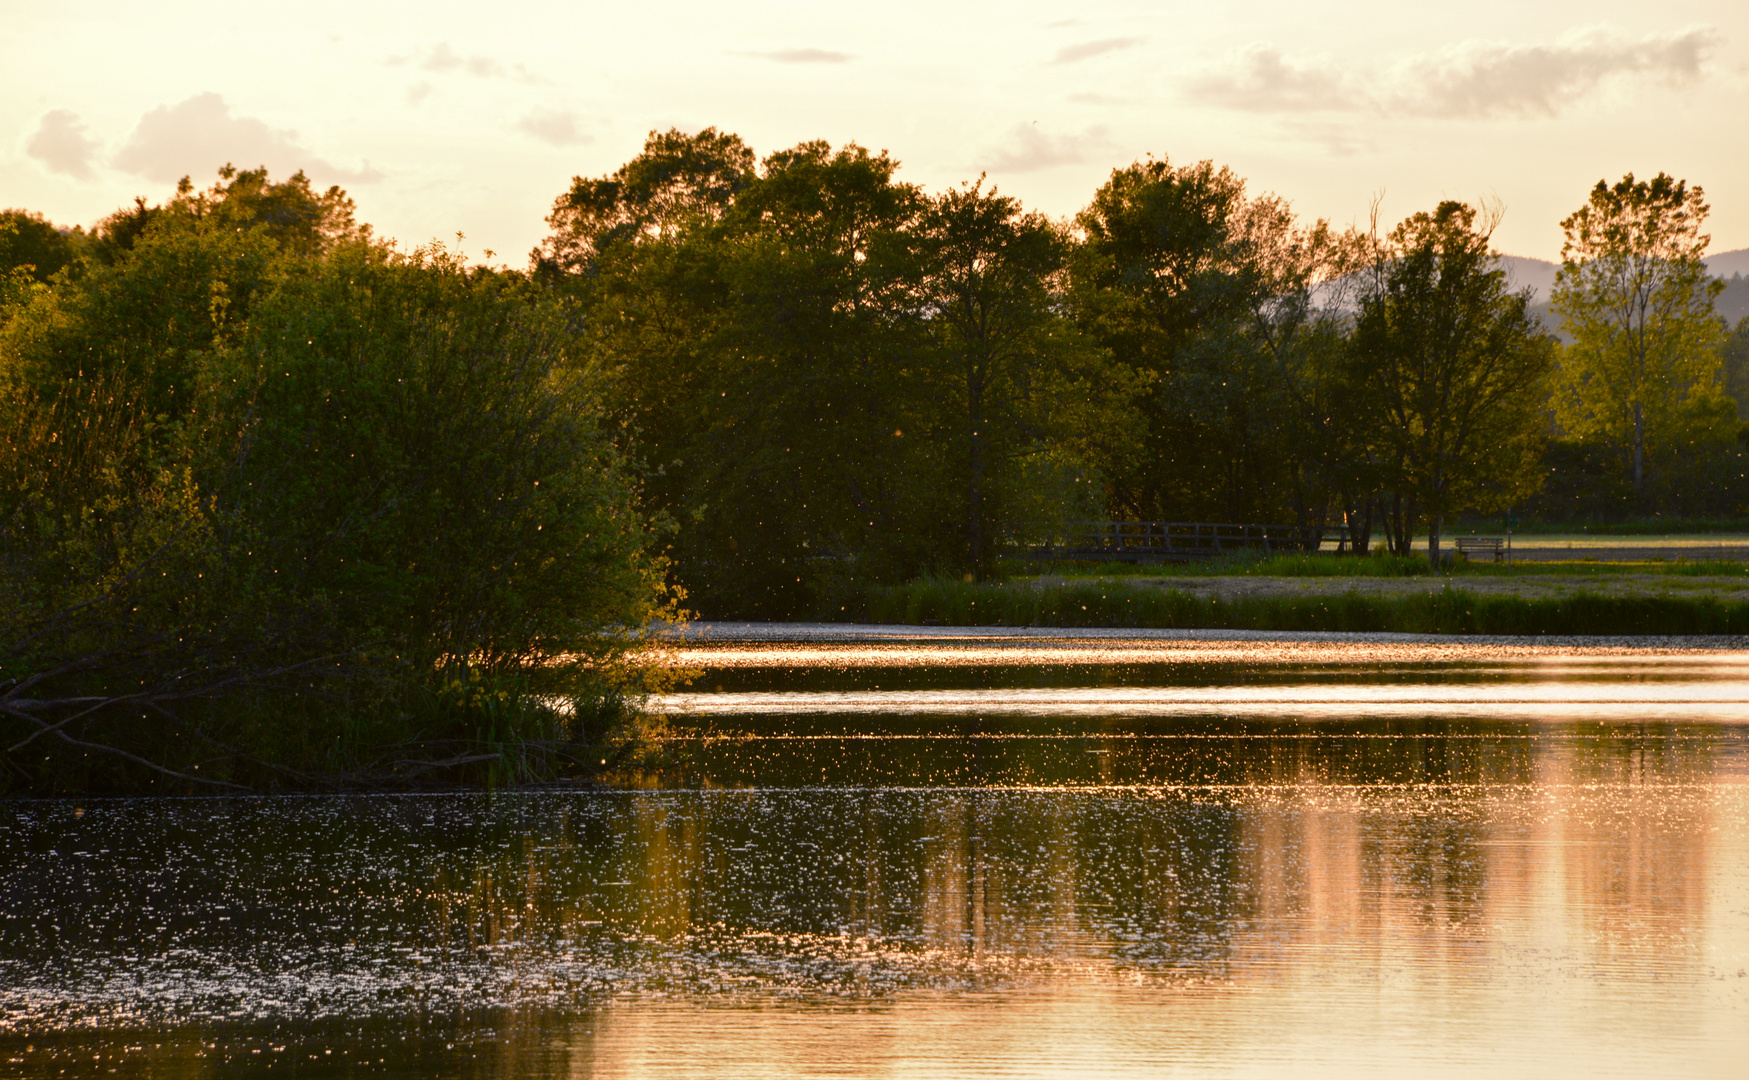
(1175, 541)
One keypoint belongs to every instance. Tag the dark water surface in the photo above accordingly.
(965, 859)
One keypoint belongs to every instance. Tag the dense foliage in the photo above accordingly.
(836, 378)
(280, 497)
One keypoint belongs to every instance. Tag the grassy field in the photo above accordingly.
(1644, 527)
(1378, 565)
(1448, 610)
(1323, 592)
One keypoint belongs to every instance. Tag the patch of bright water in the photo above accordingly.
(1302, 868)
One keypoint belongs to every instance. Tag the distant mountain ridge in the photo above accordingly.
(1539, 276)
(1728, 264)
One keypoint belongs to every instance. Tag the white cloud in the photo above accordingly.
(1471, 80)
(442, 59)
(804, 56)
(1028, 149)
(1088, 97)
(200, 134)
(1086, 50)
(553, 127)
(1261, 79)
(1475, 80)
(60, 143)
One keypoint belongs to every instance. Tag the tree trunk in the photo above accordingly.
(975, 509)
(976, 541)
(1357, 515)
(1310, 521)
(1314, 528)
(1401, 524)
(1639, 448)
(1433, 528)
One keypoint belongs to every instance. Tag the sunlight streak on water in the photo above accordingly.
(1712, 700)
(965, 650)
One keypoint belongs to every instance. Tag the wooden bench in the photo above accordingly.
(1471, 546)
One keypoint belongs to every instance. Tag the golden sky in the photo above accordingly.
(442, 117)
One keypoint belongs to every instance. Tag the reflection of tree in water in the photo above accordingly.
(1302, 845)
(1585, 850)
(1622, 842)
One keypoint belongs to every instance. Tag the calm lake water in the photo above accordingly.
(963, 857)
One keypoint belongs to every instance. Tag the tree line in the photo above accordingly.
(833, 377)
(254, 454)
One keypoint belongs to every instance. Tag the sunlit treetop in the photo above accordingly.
(298, 218)
(676, 178)
(1657, 219)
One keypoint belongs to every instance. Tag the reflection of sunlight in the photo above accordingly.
(1363, 937)
(1587, 700)
(1343, 1024)
(1540, 870)
(1534, 660)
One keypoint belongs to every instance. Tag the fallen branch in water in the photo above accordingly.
(219, 670)
(59, 732)
(464, 759)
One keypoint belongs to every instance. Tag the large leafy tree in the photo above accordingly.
(1015, 375)
(1450, 370)
(1153, 283)
(758, 325)
(1232, 306)
(1643, 368)
(804, 459)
